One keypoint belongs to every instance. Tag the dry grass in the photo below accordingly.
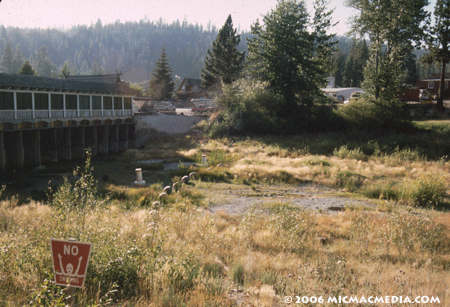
(178, 254)
(204, 258)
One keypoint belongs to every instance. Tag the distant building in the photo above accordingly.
(432, 84)
(190, 89)
(50, 119)
(345, 92)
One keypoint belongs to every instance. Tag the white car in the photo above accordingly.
(163, 106)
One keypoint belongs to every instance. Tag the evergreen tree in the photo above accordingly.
(67, 70)
(7, 61)
(44, 66)
(224, 62)
(412, 72)
(292, 59)
(355, 63)
(392, 26)
(161, 85)
(96, 69)
(19, 59)
(438, 41)
(27, 69)
(349, 71)
(339, 59)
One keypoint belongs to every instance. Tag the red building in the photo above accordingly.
(433, 83)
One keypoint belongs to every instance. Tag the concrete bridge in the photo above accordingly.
(49, 120)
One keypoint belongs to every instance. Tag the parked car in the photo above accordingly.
(163, 106)
(337, 98)
(354, 96)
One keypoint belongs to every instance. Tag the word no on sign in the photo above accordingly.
(70, 260)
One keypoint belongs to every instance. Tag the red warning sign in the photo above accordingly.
(70, 261)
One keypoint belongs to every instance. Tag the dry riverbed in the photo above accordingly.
(238, 198)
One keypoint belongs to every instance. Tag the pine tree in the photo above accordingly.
(19, 59)
(44, 66)
(355, 63)
(224, 62)
(293, 59)
(6, 63)
(27, 69)
(67, 70)
(161, 85)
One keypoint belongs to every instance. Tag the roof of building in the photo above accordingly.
(110, 78)
(197, 82)
(15, 81)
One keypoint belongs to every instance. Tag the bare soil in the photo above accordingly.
(237, 199)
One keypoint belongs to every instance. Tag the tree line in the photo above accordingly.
(133, 48)
(291, 51)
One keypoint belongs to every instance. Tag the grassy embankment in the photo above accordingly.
(176, 253)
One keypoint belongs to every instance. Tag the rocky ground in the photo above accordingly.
(237, 199)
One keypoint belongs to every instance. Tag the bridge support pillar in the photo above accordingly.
(15, 154)
(64, 143)
(90, 134)
(131, 136)
(102, 140)
(2, 152)
(78, 146)
(113, 138)
(123, 137)
(32, 147)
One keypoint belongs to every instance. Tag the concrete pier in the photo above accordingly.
(32, 146)
(64, 143)
(113, 138)
(78, 144)
(131, 136)
(15, 153)
(123, 137)
(2, 152)
(90, 134)
(102, 140)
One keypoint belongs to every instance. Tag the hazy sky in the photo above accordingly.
(67, 13)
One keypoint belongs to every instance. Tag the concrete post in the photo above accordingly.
(102, 140)
(78, 146)
(123, 137)
(113, 138)
(90, 134)
(64, 141)
(32, 147)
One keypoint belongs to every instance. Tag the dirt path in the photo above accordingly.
(237, 199)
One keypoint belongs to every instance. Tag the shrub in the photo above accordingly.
(344, 153)
(370, 115)
(247, 107)
(348, 180)
(238, 273)
(427, 190)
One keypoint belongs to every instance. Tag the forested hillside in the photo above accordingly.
(133, 49)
